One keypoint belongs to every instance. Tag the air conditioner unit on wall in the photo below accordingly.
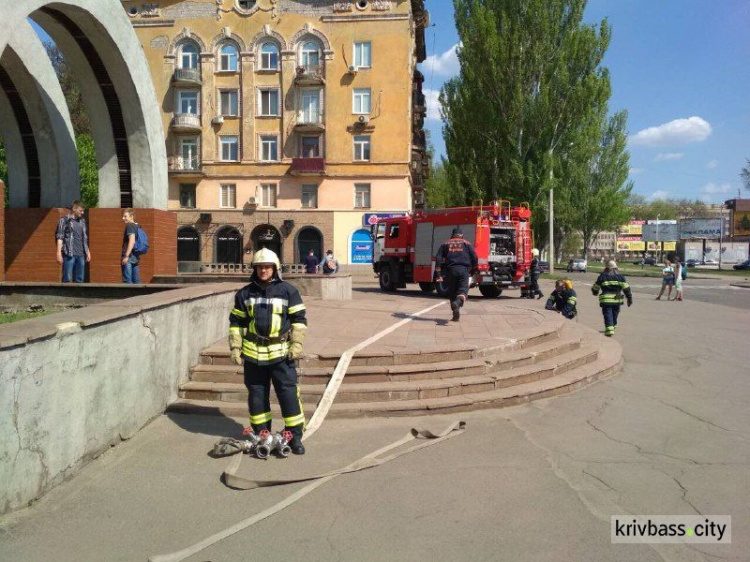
(352, 69)
(218, 120)
(252, 201)
(363, 119)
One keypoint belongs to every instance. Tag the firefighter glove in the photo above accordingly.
(235, 347)
(630, 302)
(295, 342)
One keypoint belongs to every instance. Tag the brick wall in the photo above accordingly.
(107, 229)
(30, 248)
(2, 231)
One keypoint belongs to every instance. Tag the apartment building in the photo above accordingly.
(289, 123)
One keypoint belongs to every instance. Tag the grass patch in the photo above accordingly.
(16, 316)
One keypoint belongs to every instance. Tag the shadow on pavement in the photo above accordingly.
(217, 426)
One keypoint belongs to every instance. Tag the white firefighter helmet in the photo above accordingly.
(264, 256)
(611, 264)
(534, 252)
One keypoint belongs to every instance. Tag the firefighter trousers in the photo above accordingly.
(458, 281)
(610, 312)
(283, 375)
(535, 290)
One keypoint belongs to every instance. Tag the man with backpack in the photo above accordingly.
(134, 245)
(72, 239)
(330, 263)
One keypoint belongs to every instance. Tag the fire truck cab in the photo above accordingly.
(405, 247)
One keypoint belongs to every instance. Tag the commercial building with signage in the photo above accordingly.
(286, 121)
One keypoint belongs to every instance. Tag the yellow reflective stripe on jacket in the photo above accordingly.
(263, 353)
(297, 308)
(276, 311)
(239, 313)
(251, 327)
(260, 418)
(572, 300)
(235, 330)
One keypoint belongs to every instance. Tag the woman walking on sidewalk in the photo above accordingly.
(667, 280)
(679, 270)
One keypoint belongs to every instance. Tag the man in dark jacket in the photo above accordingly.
(563, 299)
(72, 241)
(535, 271)
(612, 285)
(311, 262)
(267, 328)
(456, 260)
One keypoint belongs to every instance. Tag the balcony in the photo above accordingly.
(179, 164)
(189, 77)
(186, 123)
(309, 122)
(308, 166)
(310, 75)
(419, 102)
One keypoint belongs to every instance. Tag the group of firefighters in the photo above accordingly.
(267, 326)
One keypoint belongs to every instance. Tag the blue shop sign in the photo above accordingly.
(361, 247)
(368, 219)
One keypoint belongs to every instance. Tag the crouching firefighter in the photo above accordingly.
(611, 285)
(563, 299)
(266, 331)
(456, 260)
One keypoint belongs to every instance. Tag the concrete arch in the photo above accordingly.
(224, 37)
(105, 55)
(42, 160)
(265, 35)
(184, 35)
(308, 30)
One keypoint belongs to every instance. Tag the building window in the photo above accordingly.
(362, 195)
(269, 148)
(228, 58)
(187, 102)
(310, 110)
(310, 56)
(361, 101)
(268, 102)
(362, 148)
(229, 103)
(229, 149)
(309, 196)
(363, 54)
(188, 55)
(187, 196)
(189, 153)
(246, 4)
(228, 196)
(310, 147)
(269, 57)
(268, 195)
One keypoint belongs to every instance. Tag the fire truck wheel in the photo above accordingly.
(386, 279)
(490, 291)
(427, 287)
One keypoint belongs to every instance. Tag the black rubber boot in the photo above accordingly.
(296, 443)
(456, 308)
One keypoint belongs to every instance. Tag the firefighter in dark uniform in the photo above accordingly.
(534, 272)
(267, 329)
(456, 260)
(563, 299)
(611, 285)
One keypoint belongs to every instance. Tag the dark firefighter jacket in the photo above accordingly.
(264, 316)
(456, 251)
(535, 270)
(564, 301)
(611, 286)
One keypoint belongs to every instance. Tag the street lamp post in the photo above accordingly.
(658, 247)
(551, 222)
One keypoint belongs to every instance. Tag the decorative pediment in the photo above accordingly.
(268, 33)
(225, 34)
(309, 30)
(185, 34)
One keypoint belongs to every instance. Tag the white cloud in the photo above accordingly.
(679, 131)
(712, 164)
(433, 104)
(711, 188)
(658, 194)
(663, 156)
(445, 64)
(635, 171)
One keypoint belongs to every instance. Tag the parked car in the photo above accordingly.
(577, 264)
(709, 261)
(646, 261)
(744, 265)
(544, 266)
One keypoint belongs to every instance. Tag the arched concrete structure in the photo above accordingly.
(105, 55)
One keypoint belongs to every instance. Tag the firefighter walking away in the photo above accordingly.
(534, 272)
(267, 329)
(563, 299)
(610, 286)
(456, 260)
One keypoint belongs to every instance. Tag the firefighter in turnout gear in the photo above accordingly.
(534, 271)
(611, 285)
(456, 260)
(267, 329)
(563, 299)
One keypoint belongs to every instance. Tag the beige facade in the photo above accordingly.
(296, 114)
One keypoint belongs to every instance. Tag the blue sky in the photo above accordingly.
(680, 69)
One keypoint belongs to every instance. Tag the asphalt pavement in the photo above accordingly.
(668, 435)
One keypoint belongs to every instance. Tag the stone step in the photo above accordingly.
(218, 353)
(383, 391)
(568, 378)
(419, 371)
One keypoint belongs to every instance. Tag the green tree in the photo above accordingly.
(440, 187)
(88, 170)
(745, 174)
(77, 109)
(530, 71)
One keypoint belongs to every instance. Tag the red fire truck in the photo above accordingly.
(405, 247)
